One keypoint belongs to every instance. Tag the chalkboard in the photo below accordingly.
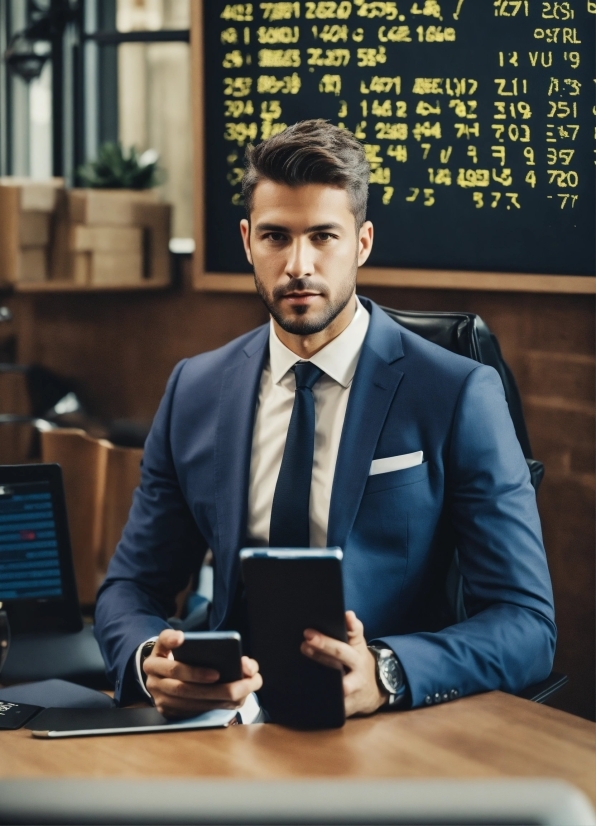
(477, 118)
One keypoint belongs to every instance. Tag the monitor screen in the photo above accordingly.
(29, 560)
(37, 584)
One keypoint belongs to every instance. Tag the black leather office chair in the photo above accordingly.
(467, 335)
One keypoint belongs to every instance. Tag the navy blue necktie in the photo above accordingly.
(290, 526)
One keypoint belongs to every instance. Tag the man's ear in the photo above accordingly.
(245, 233)
(365, 242)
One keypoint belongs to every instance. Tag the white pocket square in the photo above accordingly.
(395, 463)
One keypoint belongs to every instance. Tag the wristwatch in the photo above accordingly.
(145, 652)
(390, 675)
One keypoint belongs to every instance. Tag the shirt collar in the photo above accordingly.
(338, 359)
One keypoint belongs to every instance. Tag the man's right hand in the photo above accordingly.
(181, 690)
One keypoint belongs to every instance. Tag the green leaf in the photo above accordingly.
(117, 169)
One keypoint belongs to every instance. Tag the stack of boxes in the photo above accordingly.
(87, 237)
(27, 210)
(111, 238)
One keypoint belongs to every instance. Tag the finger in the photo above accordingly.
(219, 692)
(336, 649)
(168, 693)
(352, 683)
(166, 667)
(238, 690)
(354, 627)
(167, 640)
(180, 707)
(249, 667)
(175, 698)
(320, 657)
(170, 687)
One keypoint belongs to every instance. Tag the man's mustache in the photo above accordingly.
(299, 285)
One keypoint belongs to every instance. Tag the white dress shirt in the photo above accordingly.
(338, 360)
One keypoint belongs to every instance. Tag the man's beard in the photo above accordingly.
(300, 324)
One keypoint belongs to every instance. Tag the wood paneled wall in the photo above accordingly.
(122, 347)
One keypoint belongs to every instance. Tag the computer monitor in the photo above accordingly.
(349, 802)
(37, 582)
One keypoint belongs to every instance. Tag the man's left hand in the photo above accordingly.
(362, 694)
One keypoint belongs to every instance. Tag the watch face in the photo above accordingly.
(147, 649)
(390, 674)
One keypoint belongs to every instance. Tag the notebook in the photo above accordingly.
(56, 694)
(56, 722)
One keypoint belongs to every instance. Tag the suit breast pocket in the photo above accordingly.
(396, 479)
(390, 501)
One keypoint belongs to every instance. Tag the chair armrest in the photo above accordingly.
(539, 692)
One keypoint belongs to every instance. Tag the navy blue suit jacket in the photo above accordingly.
(397, 530)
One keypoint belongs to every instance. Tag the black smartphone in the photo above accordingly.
(288, 591)
(220, 650)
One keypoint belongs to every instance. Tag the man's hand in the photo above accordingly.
(181, 690)
(361, 691)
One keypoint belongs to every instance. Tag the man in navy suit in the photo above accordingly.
(333, 426)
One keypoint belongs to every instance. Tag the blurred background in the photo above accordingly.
(122, 74)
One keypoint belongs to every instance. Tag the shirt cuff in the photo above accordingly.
(138, 667)
(250, 711)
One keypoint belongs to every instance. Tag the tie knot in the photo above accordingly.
(307, 374)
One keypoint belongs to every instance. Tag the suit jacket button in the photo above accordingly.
(454, 694)
(428, 700)
(437, 697)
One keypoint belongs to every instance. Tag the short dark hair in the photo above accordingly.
(310, 152)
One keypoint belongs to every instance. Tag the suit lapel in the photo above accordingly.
(237, 404)
(375, 384)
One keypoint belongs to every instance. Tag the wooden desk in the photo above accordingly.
(490, 735)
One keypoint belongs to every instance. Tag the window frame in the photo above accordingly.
(84, 86)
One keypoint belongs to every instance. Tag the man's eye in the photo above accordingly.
(323, 236)
(276, 237)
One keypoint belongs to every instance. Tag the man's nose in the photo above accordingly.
(300, 261)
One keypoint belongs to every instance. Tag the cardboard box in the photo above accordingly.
(32, 265)
(9, 233)
(25, 227)
(107, 268)
(83, 238)
(80, 268)
(156, 219)
(34, 229)
(33, 195)
(107, 207)
(111, 238)
(116, 268)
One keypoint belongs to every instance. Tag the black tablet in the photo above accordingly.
(288, 591)
(37, 583)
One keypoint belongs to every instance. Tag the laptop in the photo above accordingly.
(37, 582)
